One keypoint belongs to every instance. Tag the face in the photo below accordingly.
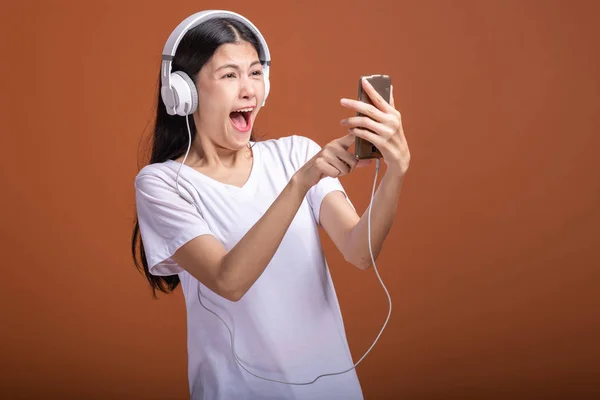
(231, 91)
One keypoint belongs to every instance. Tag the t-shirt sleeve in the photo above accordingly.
(166, 221)
(317, 193)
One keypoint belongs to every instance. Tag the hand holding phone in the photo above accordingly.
(377, 127)
(364, 149)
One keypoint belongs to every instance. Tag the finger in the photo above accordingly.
(347, 158)
(392, 102)
(369, 136)
(346, 141)
(328, 169)
(375, 97)
(364, 108)
(341, 166)
(338, 157)
(367, 123)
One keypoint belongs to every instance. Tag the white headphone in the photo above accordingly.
(178, 91)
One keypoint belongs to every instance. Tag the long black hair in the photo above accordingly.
(170, 137)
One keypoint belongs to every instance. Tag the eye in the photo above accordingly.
(257, 73)
(229, 75)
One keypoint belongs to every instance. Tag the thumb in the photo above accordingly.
(347, 141)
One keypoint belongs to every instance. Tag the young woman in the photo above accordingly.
(236, 223)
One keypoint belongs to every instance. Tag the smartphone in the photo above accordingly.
(364, 149)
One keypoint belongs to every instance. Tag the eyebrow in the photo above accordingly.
(235, 66)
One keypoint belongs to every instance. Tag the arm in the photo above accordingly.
(231, 274)
(349, 232)
(381, 125)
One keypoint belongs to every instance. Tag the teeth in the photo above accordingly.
(244, 110)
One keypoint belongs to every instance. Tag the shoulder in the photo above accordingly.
(155, 176)
(158, 191)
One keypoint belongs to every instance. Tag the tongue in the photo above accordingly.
(238, 120)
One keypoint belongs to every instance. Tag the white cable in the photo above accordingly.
(231, 335)
(187, 122)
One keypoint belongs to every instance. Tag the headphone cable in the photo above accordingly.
(231, 334)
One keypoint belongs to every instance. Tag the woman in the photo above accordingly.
(235, 221)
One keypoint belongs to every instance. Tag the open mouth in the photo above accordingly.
(242, 119)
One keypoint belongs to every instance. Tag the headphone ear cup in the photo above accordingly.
(186, 95)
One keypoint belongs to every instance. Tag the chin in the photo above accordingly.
(241, 137)
(239, 140)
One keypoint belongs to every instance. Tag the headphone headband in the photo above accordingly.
(189, 23)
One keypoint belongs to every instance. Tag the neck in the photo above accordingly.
(204, 153)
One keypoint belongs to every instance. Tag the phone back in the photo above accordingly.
(364, 149)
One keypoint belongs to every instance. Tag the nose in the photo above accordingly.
(247, 89)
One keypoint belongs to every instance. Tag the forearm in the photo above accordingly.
(247, 260)
(383, 211)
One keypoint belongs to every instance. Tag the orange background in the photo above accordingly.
(492, 262)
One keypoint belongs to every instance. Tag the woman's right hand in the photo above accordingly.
(334, 160)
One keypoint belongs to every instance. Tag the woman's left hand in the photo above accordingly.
(384, 124)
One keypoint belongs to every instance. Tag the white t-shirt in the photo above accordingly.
(288, 326)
